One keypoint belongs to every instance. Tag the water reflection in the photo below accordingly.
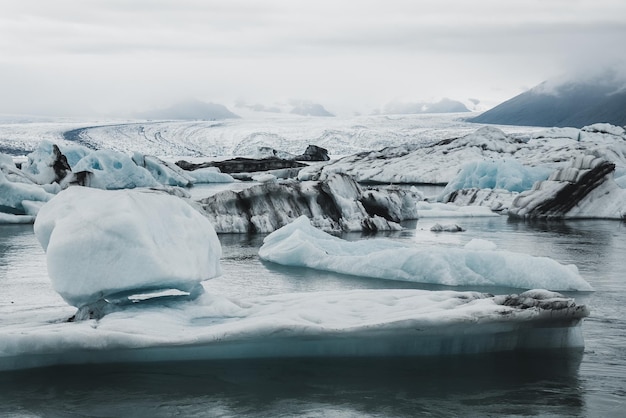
(517, 384)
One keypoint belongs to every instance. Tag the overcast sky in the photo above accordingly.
(80, 56)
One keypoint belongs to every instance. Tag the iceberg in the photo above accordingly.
(20, 199)
(301, 244)
(335, 204)
(210, 175)
(585, 189)
(449, 210)
(355, 323)
(111, 170)
(505, 174)
(101, 243)
(164, 172)
(46, 164)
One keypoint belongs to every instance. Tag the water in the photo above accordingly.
(592, 383)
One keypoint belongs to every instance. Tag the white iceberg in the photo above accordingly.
(20, 199)
(46, 164)
(110, 170)
(101, 243)
(300, 244)
(210, 175)
(165, 173)
(357, 323)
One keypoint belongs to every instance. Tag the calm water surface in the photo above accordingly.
(591, 384)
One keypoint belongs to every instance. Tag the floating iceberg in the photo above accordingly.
(111, 170)
(504, 174)
(164, 172)
(357, 323)
(20, 198)
(102, 243)
(300, 244)
(586, 189)
(46, 164)
(448, 210)
(210, 175)
(335, 204)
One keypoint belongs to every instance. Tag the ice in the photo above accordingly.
(20, 198)
(210, 175)
(585, 189)
(110, 170)
(165, 173)
(506, 174)
(100, 243)
(300, 244)
(449, 210)
(46, 164)
(335, 204)
(322, 324)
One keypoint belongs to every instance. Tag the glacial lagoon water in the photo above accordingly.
(592, 383)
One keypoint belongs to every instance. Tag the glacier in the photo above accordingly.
(100, 243)
(301, 244)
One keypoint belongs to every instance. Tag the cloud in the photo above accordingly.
(114, 54)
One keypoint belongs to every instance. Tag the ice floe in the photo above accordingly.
(301, 244)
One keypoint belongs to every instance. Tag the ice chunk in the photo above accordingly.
(105, 169)
(446, 228)
(504, 174)
(14, 197)
(99, 243)
(300, 244)
(210, 175)
(448, 210)
(354, 323)
(165, 173)
(46, 164)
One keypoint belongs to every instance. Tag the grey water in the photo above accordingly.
(562, 383)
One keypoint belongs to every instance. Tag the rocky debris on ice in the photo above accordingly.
(102, 243)
(311, 153)
(335, 204)
(495, 200)
(477, 264)
(242, 165)
(440, 162)
(585, 189)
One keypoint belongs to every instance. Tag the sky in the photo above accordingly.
(105, 57)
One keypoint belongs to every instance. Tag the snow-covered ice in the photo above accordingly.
(301, 244)
(210, 175)
(449, 210)
(100, 243)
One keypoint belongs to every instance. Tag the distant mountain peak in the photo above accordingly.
(565, 102)
(191, 109)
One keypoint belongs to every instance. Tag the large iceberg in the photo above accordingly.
(586, 189)
(335, 204)
(300, 244)
(439, 162)
(363, 323)
(102, 243)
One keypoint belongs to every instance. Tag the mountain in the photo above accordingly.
(571, 103)
(191, 110)
(306, 108)
(445, 105)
